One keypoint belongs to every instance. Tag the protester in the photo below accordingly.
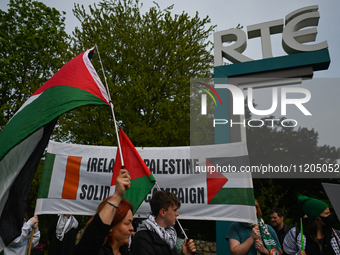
(156, 235)
(62, 234)
(21, 244)
(108, 232)
(281, 228)
(318, 235)
(248, 239)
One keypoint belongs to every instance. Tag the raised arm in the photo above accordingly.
(95, 233)
(122, 184)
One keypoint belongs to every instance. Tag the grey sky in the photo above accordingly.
(324, 104)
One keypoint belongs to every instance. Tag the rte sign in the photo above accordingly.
(294, 35)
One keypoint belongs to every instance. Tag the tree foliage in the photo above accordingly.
(148, 60)
(33, 46)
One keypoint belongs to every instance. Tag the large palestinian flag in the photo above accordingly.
(26, 135)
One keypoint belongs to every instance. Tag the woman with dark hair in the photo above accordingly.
(318, 235)
(108, 232)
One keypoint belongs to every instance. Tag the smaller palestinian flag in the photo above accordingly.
(229, 188)
(142, 180)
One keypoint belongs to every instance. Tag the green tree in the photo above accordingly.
(34, 46)
(148, 59)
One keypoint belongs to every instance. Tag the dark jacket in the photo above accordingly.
(93, 238)
(64, 247)
(282, 233)
(146, 242)
(312, 246)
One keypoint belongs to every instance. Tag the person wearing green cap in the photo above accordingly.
(318, 235)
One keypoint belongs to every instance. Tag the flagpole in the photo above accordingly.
(30, 244)
(112, 111)
(301, 231)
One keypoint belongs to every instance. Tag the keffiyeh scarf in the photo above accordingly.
(335, 241)
(64, 225)
(168, 234)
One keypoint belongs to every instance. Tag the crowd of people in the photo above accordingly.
(314, 235)
(109, 231)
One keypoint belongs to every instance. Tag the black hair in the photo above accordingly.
(276, 210)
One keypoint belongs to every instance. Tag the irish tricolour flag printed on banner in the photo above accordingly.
(75, 180)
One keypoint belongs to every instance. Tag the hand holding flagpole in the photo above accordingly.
(256, 232)
(35, 225)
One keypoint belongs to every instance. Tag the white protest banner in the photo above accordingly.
(206, 179)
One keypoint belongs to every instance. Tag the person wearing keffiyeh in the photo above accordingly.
(156, 235)
(251, 239)
(62, 235)
(319, 237)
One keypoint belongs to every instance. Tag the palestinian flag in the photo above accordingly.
(227, 187)
(24, 138)
(142, 180)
